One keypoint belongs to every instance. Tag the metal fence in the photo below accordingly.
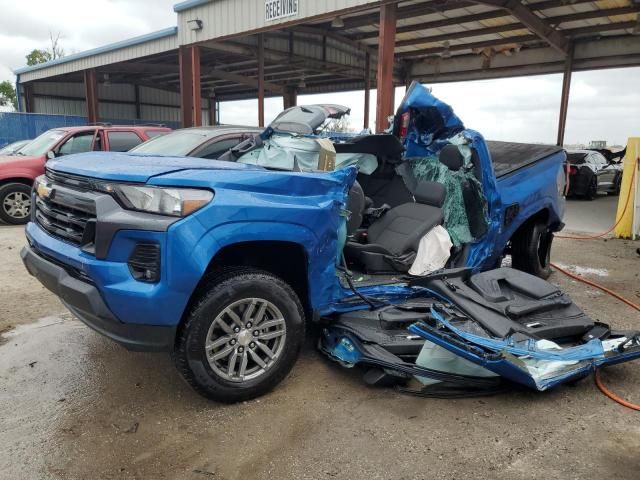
(16, 126)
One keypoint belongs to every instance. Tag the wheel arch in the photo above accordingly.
(286, 259)
(17, 179)
(541, 216)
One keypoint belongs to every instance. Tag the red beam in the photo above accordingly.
(91, 94)
(564, 99)
(186, 86)
(367, 89)
(260, 80)
(195, 88)
(386, 46)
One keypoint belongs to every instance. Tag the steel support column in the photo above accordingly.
(564, 99)
(28, 97)
(91, 94)
(136, 93)
(195, 78)
(186, 87)
(290, 97)
(213, 116)
(260, 80)
(367, 89)
(386, 53)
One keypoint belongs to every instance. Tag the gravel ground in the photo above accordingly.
(73, 405)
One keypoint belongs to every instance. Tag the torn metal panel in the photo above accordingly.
(546, 340)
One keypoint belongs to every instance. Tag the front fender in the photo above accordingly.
(185, 271)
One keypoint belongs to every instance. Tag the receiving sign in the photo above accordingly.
(275, 9)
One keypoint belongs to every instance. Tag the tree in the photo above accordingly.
(38, 56)
(44, 55)
(56, 50)
(8, 94)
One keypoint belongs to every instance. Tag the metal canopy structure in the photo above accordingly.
(227, 50)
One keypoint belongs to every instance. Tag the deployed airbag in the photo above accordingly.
(434, 250)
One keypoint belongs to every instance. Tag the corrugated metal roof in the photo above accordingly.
(324, 56)
(135, 41)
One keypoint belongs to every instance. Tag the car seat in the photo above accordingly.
(392, 240)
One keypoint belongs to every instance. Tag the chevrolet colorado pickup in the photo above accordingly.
(221, 262)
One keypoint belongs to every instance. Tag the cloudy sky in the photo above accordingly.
(603, 104)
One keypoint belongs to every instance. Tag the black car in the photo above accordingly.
(590, 173)
(201, 142)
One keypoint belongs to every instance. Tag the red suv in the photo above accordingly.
(19, 170)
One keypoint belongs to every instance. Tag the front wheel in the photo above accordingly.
(15, 203)
(531, 250)
(242, 338)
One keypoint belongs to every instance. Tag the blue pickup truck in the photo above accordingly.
(221, 262)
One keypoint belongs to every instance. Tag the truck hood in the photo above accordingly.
(130, 167)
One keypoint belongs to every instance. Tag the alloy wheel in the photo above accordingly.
(17, 205)
(245, 339)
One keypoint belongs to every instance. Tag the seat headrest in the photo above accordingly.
(429, 193)
(451, 157)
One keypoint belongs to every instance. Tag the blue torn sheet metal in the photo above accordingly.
(527, 362)
(546, 339)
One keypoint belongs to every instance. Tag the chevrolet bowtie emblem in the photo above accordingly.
(44, 191)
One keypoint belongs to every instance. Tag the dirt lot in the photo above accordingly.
(73, 405)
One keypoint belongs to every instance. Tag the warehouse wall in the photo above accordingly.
(223, 18)
(115, 101)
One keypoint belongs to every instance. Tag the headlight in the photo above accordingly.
(178, 202)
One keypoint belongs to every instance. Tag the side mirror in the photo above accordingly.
(51, 155)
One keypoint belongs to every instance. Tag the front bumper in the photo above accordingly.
(84, 300)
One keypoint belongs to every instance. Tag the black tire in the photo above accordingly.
(11, 212)
(531, 250)
(618, 186)
(226, 290)
(592, 189)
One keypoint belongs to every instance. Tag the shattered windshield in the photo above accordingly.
(41, 144)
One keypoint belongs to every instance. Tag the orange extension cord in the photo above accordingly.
(598, 286)
(598, 380)
(613, 396)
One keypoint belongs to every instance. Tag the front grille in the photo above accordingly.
(66, 215)
(76, 182)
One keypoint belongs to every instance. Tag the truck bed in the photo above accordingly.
(508, 157)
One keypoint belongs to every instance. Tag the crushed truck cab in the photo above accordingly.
(221, 262)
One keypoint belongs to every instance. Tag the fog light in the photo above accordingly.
(144, 262)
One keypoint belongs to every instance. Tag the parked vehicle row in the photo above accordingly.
(222, 261)
(591, 173)
(20, 168)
